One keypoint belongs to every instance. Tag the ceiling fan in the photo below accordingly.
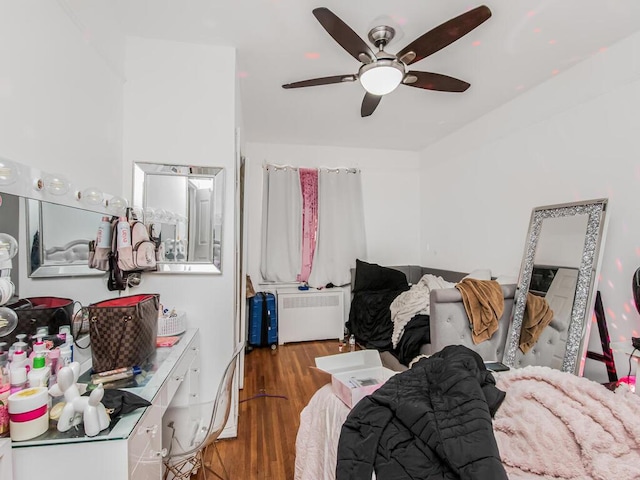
(381, 72)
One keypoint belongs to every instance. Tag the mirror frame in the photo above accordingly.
(577, 335)
(217, 174)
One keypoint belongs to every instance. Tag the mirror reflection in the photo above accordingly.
(58, 239)
(183, 207)
(9, 224)
(555, 295)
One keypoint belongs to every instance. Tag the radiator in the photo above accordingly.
(310, 315)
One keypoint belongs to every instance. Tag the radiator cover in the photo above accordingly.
(310, 315)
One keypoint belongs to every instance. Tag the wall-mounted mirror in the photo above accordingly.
(9, 224)
(182, 205)
(58, 239)
(557, 281)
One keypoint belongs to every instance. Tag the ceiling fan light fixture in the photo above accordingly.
(381, 77)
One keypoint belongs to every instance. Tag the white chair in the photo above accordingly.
(193, 429)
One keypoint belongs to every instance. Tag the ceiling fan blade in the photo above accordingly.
(321, 81)
(443, 35)
(369, 104)
(342, 33)
(434, 81)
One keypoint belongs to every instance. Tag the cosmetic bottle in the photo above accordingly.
(42, 332)
(5, 391)
(38, 376)
(124, 233)
(18, 378)
(39, 348)
(19, 346)
(54, 358)
(103, 238)
(65, 357)
(68, 339)
(20, 359)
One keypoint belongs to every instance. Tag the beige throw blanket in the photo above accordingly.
(484, 304)
(412, 302)
(537, 316)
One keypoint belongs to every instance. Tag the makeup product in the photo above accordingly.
(103, 238)
(28, 413)
(38, 376)
(66, 331)
(5, 391)
(18, 377)
(65, 356)
(113, 375)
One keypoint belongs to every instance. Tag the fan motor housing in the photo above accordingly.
(381, 35)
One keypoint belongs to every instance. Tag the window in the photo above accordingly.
(312, 224)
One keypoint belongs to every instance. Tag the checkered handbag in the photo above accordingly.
(123, 331)
(36, 312)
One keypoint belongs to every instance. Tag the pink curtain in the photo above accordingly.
(309, 187)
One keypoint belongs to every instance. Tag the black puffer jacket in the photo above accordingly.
(430, 422)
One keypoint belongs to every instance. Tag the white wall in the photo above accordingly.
(180, 109)
(390, 189)
(60, 109)
(572, 138)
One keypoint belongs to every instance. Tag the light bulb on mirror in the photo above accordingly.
(8, 172)
(56, 184)
(149, 215)
(170, 217)
(8, 247)
(91, 196)
(161, 215)
(117, 205)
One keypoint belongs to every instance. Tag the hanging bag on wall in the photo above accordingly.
(126, 248)
(123, 331)
(36, 312)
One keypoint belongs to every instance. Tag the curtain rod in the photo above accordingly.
(268, 166)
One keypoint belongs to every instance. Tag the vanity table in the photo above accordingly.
(133, 447)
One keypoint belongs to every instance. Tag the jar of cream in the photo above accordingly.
(28, 413)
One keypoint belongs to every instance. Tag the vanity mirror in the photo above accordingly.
(58, 239)
(560, 265)
(182, 205)
(59, 219)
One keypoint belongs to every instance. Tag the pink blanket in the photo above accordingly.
(551, 425)
(556, 425)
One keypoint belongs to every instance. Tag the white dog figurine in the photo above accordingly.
(77, 408)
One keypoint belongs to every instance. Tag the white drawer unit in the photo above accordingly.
(310, 314)
(6, 468)
(133, 448)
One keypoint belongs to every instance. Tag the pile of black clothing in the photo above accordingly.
(433, 421)
(375, 288)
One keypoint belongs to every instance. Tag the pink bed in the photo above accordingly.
(551, 425)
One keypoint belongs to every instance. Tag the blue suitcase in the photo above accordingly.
(263, 320)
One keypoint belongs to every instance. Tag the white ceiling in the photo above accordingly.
(524, 43)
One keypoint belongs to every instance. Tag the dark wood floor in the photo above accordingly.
(268, 423)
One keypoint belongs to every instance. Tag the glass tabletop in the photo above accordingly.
(145, 385)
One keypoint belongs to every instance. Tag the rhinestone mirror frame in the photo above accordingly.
(575, 351)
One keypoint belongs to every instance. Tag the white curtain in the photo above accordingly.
(341, 236)
(281, 224)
